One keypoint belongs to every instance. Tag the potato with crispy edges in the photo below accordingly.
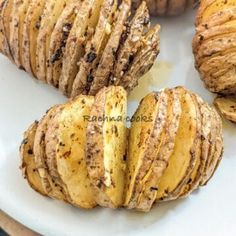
(214, 45)
(82, 152)
(77, 46)
(106, 146)
(28, 165)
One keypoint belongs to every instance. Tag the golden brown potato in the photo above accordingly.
(78, 46)
(83, 154)
(227, 107)
(106, 146)
(214, 45)
(28, 165)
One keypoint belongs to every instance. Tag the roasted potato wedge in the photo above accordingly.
(28, 165)
(227, 107)
(106, 146)
(102, 73)
(52, 11)
(83, 28)
(30, 32)
(65, 138)
(94, 48)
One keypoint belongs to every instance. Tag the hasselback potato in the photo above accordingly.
(214, 45)
(79, 46)
(81, 152)
(167, 7)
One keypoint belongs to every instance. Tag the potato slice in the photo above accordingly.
(133, 41)
(217, 151)
(181, 162)
(227, 107)
(50, 187)
(4, 47)
(30, 33)
(51, 141)
(82, 30)
(143, 60)
(18, 15)
(106, 146)
(70, 150)
(28, 165)
(163, 153)
(58, 41)
(52, 11)
(102, 73)
(94, 48)
(144, 143)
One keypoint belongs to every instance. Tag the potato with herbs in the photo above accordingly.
(79, 46)
(214, 45)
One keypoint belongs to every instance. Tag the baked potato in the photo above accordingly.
(214, 45)
(79, 47)
(167, 7)
(84, 154)
(227, 107)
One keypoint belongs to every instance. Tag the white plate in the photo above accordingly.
(210, 211)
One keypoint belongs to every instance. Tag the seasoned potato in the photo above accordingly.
(78, 46)
(163, 153)
(106, 146)
(28, 165)
(52, 11)
(30, 33)
(214, 45)
(83, 28)
(82, 152)
(49, 185)
(144, 142)
(227, 107)
(69, 150)
(95, 48)
(102, 73)
(58, 42)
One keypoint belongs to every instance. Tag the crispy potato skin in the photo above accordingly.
(78, 46)
(82, 153)
(214, 45)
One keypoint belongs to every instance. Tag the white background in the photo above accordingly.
(209, 211)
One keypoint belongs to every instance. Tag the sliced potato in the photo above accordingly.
(143, 60)
(133, 41)
(50, 187)
(102, 73)
(83, 28)
(144, 142)
(30, 33)
(28, 165)
(227, 107)
(181, 162)
(106, 146)
(94, 49)
(70, 151)
(52, 11)
(18, 15)
(58, 40)
(163, 153)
